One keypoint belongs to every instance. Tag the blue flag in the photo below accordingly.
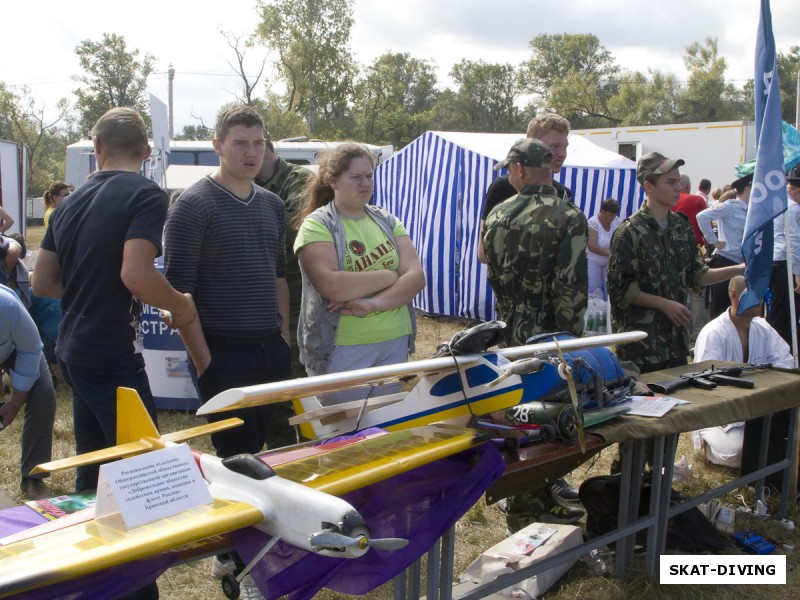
(768, 197)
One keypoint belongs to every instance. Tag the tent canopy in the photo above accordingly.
(436, 186)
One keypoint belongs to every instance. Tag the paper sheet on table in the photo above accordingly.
(653, 406)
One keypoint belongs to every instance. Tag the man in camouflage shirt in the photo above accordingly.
(654, 263)
(287, 181)
(535, 245)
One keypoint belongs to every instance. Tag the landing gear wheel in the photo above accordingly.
(568, 423)
(230, 587)
(547, 434)
(511, 444)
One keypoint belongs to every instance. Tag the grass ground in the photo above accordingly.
(482, 527)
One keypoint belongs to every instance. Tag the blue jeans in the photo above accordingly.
(238, 362)
(94, 410)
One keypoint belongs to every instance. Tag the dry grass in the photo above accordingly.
(478, 530)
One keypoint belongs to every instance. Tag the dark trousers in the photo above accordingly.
(94, 410)
(238, 362)
(779, 314)
(776, 448)
(720, 300)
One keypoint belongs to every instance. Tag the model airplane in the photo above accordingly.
(451, 389)
(295, 500)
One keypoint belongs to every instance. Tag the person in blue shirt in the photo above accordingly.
(31, 386)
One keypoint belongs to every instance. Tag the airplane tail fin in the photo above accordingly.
(133, 420)
(136, 433)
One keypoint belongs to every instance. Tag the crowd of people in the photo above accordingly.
(272, 271)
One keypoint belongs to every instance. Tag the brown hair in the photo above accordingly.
(122, 132)
(237, 114)
(610, 205)
(541, 124)
(52, 192)
(318, 191)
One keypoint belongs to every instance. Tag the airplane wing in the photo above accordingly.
(88, 547)
(95, 545)
(282, 391)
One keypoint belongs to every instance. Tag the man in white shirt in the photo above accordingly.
(730, 217)
(745, 338)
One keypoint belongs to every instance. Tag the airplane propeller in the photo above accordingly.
(566, 372)
(332, 540)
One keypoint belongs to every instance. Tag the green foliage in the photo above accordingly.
(23, 121)
(394, 102)
(708, 96)
(485, 99)
(195, 133)
(113, 76)
(314, 61)
(574, 75)
(788, 66)
(648, 100)
(281, 124)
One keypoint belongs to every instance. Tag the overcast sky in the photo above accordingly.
(39, 38)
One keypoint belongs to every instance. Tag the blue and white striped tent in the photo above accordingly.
(436, 186)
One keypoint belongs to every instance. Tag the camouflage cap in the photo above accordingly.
(654, 163)
(528, 152)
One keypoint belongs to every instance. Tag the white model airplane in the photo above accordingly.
(451, 389)
(296, 501)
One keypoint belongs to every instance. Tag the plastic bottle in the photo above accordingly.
(599, 561)
(589, 329)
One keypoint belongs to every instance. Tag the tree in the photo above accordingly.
(195, 133)
(240, 48)
(788, 65)
(572, 74)
(644, 100)
(708, 96)
(113, 77)
(23, 121)
(314, 60)
(394, 102)
(485, 98)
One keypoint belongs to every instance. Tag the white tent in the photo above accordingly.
(436, 186)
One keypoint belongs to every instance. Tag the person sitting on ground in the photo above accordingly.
(6, 222)
(745, 338)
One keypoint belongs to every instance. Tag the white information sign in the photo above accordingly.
(151, 486)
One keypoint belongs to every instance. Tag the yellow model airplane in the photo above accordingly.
(296, 501)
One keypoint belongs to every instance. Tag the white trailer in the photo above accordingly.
(80, 155)
(13, 167)
(711, 150)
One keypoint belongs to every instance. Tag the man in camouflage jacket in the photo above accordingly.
(654, 263)
(287, 181)
(535, 245)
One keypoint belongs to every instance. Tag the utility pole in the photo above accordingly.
(171, 78)
(797, 102)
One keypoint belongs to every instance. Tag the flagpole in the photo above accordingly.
(790, 278)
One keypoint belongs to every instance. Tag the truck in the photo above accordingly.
(80, 157)
(711, 150)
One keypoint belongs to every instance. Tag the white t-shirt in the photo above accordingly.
(603, 239)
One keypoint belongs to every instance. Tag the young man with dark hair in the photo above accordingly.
(225, 244)
(654, 263)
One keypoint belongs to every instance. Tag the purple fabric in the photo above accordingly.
(419, 505)
(107, 584)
